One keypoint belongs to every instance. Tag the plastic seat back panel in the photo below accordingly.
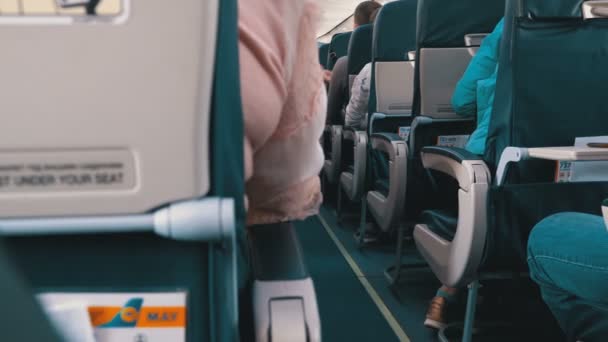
(440, 71)
(107, 118)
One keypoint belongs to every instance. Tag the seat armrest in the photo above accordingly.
(473, 42)
(381, 116)
(456, 263)
(332, 129)
(388, 137)
(474, 39)
(388, 209)
(353, 183)
(276, 253)
(332, 165)
(336, 129)
(594, 9)
(454, 153)
(464, 166)
(350, 133)
(423, 120)
(388, 143)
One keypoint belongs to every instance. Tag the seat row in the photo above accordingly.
(469, 214)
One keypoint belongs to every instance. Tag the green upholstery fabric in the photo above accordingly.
(548, 92)
(539, 9)
(360, 48)
(514, 209)
(227, 174)
(549, 87)
(394, 36)
(120, 263)
(395, 31)
(268, 241)
(338, 47)
(443, 24)
(382, 185)
(147, 262)
(323, 54)
(22, 317)
(471, 16)
(441, 222)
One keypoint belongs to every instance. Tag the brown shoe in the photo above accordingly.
(436, 313)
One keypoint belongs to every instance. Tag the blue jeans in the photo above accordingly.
(568, 258)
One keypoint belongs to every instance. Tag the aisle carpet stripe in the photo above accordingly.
(368, 287)
(347, 311)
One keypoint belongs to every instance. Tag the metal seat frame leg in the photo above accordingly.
(469, 319)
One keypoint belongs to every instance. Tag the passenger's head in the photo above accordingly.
(372, 17)
(364, 11)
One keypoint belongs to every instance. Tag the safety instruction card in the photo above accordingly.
(117, 317)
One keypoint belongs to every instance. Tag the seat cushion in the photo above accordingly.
(441, 222)
(382, 185)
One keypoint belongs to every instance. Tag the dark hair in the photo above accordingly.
(372, 17)
(364, 11)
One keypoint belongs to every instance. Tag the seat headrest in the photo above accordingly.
(323, 54)
(338, 47)
(539, 9)
(445, 23)
(395, 31)
(360, 48)
(339, 41)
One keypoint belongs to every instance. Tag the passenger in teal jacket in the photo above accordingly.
(474, 93)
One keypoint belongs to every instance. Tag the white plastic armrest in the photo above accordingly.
(388, 210)
(349, 134)
(354, 184)
(332, 166)
(595, 9)
(375, 116)
(388, 143)
(336, 131)
(474, 39)
(456, 263)
(381, 116)
(336, 145)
